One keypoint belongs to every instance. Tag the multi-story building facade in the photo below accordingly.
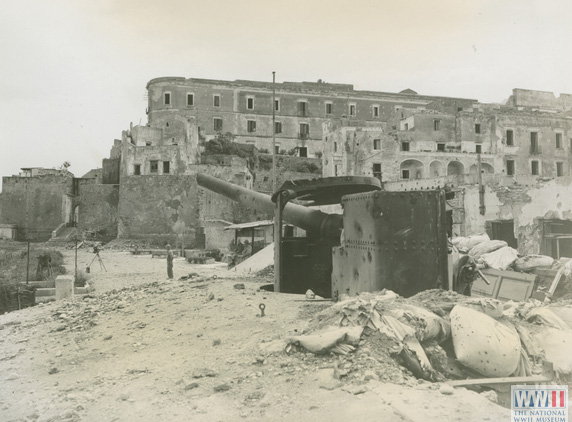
(510, 140)
(245, 108)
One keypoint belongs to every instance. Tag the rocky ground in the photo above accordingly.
(142, 348)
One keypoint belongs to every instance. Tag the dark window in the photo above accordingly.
(406, 126)
(304, 130)
(190, 99)
(534, 168)
(558, 141)
(216, 101)
(405, 174)
(377, 144)
(277, 127)
(405, 146)
(328, 108)
(137, 169)
(167, 98)
(250, 103)
(478, 149)
(375, 111)
(335, 147)
(335, 170)
(477, 128)
(302, 108)
(217, 124)
(377, 170)
(441, 147)
(251, 125)
(504, 230)
(154, 166)
(510, 167)
(277, 105)
(534, 143)
(352, 109)
(277, 149)
(559, 169)
(166, 167)
(303, 151)
(436, 124)
(509, 137)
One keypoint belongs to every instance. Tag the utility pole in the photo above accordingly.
(28, 264)
(75, 276)
(273, 132)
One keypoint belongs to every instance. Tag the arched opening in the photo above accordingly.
(485, 169)
(455, 168)
(411, 169)
(435, 169)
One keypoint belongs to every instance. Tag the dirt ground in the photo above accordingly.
(142, 348)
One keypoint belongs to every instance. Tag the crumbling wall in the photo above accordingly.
(98, 209)
(526, 205)
(157, 208)
(37, 205)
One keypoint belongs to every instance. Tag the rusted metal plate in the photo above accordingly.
(327, 190)
(393, 240)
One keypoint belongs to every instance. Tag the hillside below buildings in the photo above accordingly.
(494, 160)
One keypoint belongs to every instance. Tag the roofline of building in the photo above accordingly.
(322, 87)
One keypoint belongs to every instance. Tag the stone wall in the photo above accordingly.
(37, 205)
(98, 208)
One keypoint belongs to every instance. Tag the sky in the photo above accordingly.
(73, 72)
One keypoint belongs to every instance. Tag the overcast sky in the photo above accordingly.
(73, 72)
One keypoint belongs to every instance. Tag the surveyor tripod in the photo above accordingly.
(101, 264)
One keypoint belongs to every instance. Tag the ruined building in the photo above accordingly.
(147, 189)
(522, 193)
(244, 108)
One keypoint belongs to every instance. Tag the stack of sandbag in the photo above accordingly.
(530, 262)
(464, 244)
(483, 344)
(501, 259)
(485, 247)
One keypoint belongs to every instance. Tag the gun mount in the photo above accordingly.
(393, 240)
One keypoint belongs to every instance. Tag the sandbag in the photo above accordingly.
(544, 316)
(427, 325)
(484, 344)
(486, 247)
(530, 262)
(565, 314)
(500, 259)
(556, 345)
(492, 307)
(466, 243)
(322, 342)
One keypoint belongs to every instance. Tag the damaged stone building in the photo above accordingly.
(147, 188)
(523, 150)
(244, 108)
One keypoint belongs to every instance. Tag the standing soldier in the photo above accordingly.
(169, 262)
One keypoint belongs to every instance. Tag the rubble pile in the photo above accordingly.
(439, 335)
(81, 315)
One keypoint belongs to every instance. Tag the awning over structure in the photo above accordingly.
(250, 225)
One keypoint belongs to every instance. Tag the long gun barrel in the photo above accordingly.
(315, 221)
